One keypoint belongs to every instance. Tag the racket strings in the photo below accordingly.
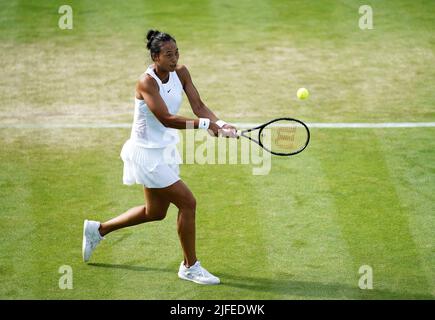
(284, 137)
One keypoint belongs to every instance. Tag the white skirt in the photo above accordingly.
(151, 167)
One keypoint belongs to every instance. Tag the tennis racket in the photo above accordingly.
(281, 137)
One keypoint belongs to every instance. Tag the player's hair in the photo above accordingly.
(155, 40)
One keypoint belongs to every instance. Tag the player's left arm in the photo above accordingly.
(198, 106)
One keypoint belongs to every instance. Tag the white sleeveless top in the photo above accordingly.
(147, 130)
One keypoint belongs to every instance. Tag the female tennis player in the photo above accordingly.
(151, 157)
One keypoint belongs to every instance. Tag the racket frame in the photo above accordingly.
(261, 128)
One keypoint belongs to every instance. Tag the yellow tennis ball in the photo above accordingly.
(302, 93)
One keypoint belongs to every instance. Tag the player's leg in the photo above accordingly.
(93, 231)
(155, 209)
(180, 195)
(190, 269)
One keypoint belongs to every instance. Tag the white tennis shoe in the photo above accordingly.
(91, 238)
(197, 274)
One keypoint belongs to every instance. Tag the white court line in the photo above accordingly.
(358, 125)
(66, 126)
(337, 125)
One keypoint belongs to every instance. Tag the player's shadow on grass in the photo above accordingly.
(128, 267)
(286, 287)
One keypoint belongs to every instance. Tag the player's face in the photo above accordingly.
(168, 57)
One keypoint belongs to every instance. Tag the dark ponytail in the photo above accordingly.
(155, 40)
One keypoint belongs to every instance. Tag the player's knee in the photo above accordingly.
(191, 203)
(188, 205)
(159, 216)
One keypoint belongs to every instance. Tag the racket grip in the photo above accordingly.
(229, 133)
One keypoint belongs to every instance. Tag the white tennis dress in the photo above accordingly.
(150, 155)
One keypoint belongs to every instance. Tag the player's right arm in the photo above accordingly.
(148, 89)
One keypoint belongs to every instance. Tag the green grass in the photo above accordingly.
(300, 232)
(247, 63)
(354, 197)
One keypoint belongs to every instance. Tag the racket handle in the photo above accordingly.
(230, 133)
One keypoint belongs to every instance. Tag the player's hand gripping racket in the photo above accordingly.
(281, 137)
